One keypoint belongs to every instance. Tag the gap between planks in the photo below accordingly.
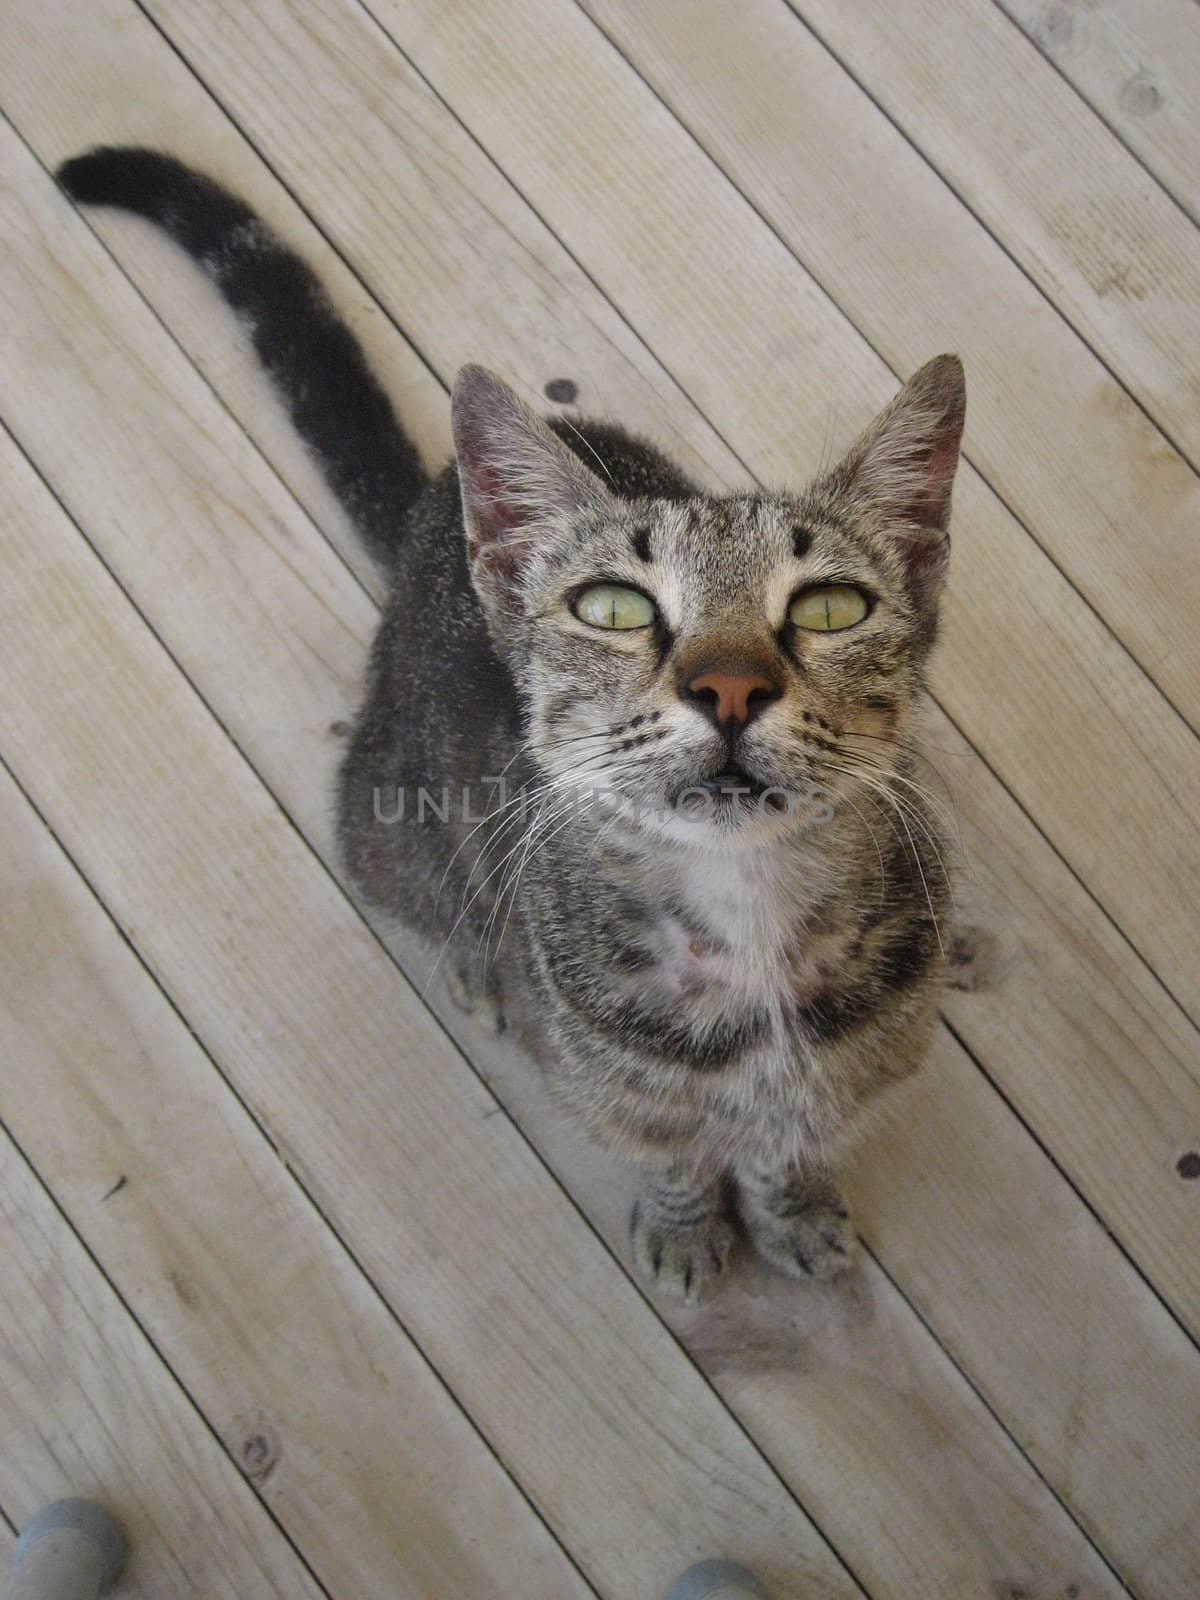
(1011, 675)
(667, 1470)
(270, 1327)
(76, 1355)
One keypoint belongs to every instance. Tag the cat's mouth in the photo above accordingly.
(728, 796)
(733, 782)
(733, 788)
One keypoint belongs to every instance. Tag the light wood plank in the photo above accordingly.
(42, 73)
(87, 1408)
(946, 1505)
(634, 1463)
(548, 312)
(1058, 439)
(1022, 1287)
(368, 1463)
(1023, 657)
(1136, 63)
(1085, 220)
(1097, 1014)
(1003, 663)
(302, 789)
(1074, 1369)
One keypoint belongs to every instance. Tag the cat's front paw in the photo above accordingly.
(685, 1262)
(812, 1240)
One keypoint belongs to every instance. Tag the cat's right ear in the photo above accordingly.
(903, 466)
(521, 486)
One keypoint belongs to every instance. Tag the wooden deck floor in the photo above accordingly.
(302, 1278)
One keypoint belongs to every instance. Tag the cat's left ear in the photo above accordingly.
(521, 486)
(904, 466)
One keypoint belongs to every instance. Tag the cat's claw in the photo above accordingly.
(813, 1245)
(685, 1263)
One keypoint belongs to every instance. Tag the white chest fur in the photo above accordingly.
(746, 929)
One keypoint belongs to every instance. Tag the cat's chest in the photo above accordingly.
(692, 967)
(727, 943)
(689, 962)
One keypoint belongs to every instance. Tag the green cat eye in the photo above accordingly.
(828, 608)
(610, 605)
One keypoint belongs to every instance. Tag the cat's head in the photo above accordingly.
(722, 663)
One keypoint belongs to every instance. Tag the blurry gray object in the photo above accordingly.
(717, 1580)
(71, 1550)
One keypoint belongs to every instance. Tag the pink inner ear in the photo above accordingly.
(492, 518)
(494, 515)
(926, 549)
(930, 504)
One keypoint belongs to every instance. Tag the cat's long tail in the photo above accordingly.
(314, 361)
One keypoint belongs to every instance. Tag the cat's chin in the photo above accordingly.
(727, 813)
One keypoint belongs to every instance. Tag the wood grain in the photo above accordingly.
(299, 1367)
(1137, 64)
(107, 519)
(1081, 215)
(628, 1455)
(87, 1408)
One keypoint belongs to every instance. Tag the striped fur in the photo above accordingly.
(725, 996)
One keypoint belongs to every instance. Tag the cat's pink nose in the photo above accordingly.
(732, 696)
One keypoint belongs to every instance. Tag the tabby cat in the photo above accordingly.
(639, 757)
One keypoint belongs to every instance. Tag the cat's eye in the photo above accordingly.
(611, 605)
(828, 608)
